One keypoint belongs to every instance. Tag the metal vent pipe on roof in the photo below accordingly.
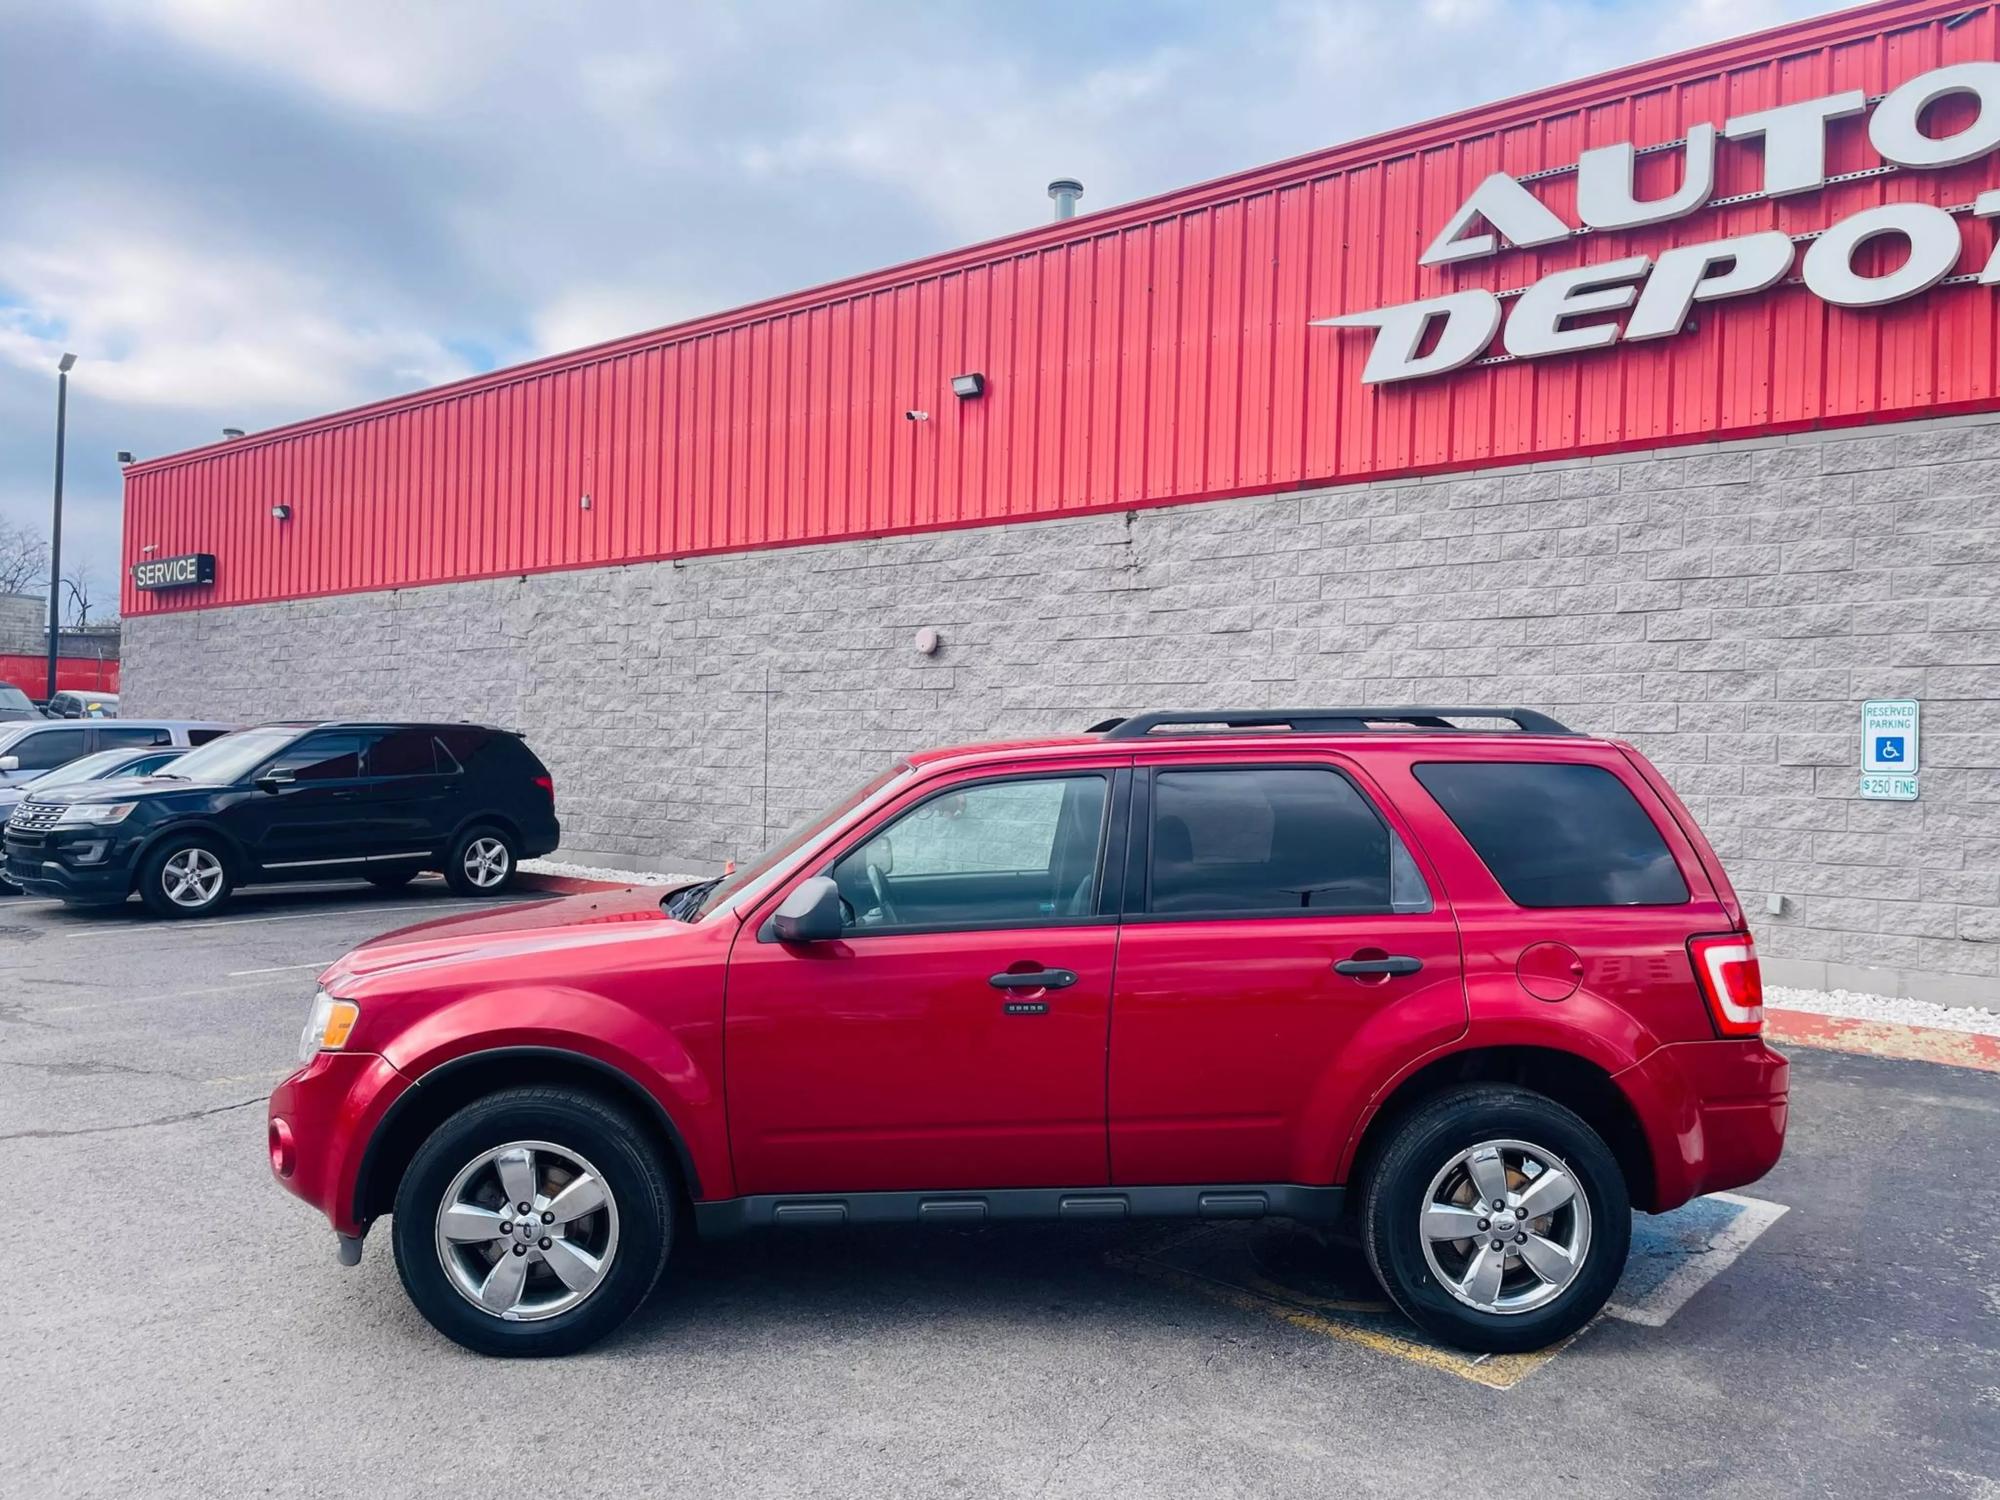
(1065, 191)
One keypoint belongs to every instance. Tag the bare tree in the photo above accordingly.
(77, 585)
(24, 559)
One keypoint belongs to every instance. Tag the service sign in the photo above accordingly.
(174, 572)
(1565, 311)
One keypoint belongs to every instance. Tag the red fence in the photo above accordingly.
(1159, 352)
(83, 674)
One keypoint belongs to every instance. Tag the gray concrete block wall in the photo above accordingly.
(1726, 607)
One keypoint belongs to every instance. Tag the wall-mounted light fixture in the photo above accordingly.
(125, 456)
(281, 512)
(231, 434)
(965, 387)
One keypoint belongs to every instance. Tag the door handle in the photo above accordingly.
(1034, 979)
(1394, 964)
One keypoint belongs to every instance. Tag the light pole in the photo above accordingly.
(63, 367)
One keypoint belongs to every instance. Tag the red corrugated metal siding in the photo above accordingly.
(1154, 353)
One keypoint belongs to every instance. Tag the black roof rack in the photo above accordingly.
(1329, 720)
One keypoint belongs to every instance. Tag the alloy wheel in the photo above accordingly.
(527, 1231)
(1505, 1226)
(191, 877)
(486, 862)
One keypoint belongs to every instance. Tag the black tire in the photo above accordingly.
(574, 1121)
(460, 879)
(391, 880)
(1393, 1202)
(155, 879)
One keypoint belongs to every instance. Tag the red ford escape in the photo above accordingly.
(1476, 992)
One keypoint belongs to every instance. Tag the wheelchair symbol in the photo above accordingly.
(1889, 748)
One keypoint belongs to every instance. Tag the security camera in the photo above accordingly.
(916, 416)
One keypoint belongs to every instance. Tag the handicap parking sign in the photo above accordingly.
(1889, 735)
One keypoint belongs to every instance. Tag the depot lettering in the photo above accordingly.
(1439, 334)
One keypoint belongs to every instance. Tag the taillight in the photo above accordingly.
(547, 784)
(1726, 968)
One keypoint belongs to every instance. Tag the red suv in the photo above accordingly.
(1476, 992)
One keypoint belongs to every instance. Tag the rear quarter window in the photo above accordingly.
(1558, 835)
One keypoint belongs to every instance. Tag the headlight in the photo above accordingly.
(94, 814)
(328, 1025)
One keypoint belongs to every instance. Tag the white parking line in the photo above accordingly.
(1700, 1263)
(318, 963)
(195, 929)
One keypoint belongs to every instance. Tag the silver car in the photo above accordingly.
(30, 749)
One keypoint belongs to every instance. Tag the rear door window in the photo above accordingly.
(1556, 834)
(1273, 841)
(404, 752)
(129, 736)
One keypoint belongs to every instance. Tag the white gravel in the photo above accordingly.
(596, 872)
(1848, 1003)
(1859, 1007)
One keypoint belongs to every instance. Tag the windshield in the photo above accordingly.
(750, 882)
(233, 756)
(103, 763)
(13, 697)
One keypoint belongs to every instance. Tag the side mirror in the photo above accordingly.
(10, 762)
(811, 914)
(274, 781)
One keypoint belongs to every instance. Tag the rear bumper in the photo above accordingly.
(1714, 1115)
(319, 1123)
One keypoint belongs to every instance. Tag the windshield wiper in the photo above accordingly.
(167, 776)
(686, 901)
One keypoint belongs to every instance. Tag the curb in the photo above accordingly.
(1931, 1044)
(566, 885)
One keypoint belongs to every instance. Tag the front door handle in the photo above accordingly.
(1394, 964)
(1034, 979)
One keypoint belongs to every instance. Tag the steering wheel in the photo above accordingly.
(880, 888)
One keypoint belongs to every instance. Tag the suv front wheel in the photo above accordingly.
(532, 1222)
(1497, 1219)
(185, 877)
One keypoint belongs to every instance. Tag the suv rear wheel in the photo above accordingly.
(185, 877)
(481, 862)
(532, 1222)
(1497, 1219)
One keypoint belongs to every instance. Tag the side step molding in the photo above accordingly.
(723, 1217)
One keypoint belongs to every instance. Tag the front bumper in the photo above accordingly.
(1714, 1115)
(76, 864)
(319, 1123)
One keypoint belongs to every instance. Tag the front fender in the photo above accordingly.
(678, 1066)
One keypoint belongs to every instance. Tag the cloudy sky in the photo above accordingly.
(242, 212)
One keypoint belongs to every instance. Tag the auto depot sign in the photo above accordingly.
(1440, 334)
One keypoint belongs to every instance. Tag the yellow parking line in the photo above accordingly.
(1334, 1318)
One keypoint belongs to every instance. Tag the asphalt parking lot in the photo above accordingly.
(178, 1325)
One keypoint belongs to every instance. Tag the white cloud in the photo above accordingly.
(178, 324)
(592, 314)
(378, 55)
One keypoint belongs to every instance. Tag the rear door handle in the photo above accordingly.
(1394, 964)
(1034, 979)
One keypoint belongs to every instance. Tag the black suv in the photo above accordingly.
(381, 802)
